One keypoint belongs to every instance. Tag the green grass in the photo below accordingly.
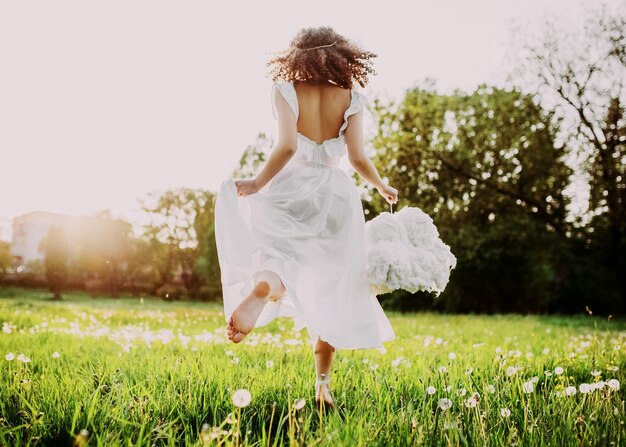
(131, 372)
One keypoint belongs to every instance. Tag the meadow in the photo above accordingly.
(145, 372)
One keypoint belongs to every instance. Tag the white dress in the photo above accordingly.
(307, 225)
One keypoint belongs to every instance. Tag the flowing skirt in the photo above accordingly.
(307, 226)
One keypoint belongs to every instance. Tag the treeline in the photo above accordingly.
(498, 169)
(175, 256)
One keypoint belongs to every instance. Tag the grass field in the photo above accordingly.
(146, 372)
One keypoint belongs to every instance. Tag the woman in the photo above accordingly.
(291, 241)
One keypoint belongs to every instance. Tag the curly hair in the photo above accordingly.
(338, 60)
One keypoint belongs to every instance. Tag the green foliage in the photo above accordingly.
(486, 167)
(179, 233)
(580, 72)
(254, 157)
(146, 372)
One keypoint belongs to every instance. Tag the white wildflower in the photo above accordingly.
(558, 370)
(505, 412)
(396, 362)
(584, 388)
(570, 390)
(241, 397)
(299, 404)
(528, 387)
(613, 384)
(10, 356)
(445, 403)
(431, 390)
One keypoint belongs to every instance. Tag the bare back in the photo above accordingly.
(322, 108)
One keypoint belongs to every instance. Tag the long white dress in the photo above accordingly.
(307, 225)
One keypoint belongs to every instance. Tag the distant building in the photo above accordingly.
(30, 229)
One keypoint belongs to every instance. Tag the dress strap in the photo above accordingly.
(358, 102)
(288, 91)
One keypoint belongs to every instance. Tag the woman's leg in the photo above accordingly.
(267, 286)
(324, 355)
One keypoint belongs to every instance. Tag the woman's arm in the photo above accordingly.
(282, 153)
(361, 162)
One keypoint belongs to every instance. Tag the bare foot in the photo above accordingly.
(322, 392)
(245, 315)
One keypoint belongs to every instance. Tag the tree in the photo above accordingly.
(178, 221)
(56, 255)
(253, 157)
(487, 167)
(581, 74)
(103, 250)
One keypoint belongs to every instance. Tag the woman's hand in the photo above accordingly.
(246, 187)
(389, 193)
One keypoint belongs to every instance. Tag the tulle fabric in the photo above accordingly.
(306, 225)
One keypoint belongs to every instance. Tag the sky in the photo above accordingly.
(104, 102)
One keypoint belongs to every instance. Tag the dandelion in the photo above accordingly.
(505, 412)
(545, 351)
(570, 390)
(462, 392)
(396, 362)
(584, 388)
(471, 402)
(558, 370)
(23, 358)
(10, 356)
(55, 355)
(595, 373)
(511, 370)
(299, 404)
(431, 390)
(235, 360)
(598, 385)
(528, 387)
(241, 398)
(269, 364)
(445, 403)
(469, 371)
(491, 389)
(443, 369)
(452, 356)
(613, 384)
